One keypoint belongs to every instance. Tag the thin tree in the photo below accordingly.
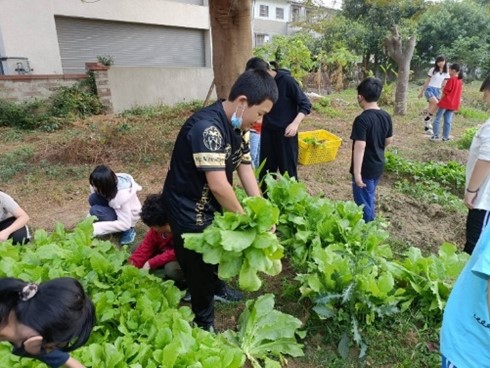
(401, 51)
(231, 33)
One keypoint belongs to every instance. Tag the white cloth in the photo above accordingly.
(7, 206)
(480, 150)
(125, 203)
(436, 78)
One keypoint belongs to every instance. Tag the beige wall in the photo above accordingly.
(132, 87)
(27, 27)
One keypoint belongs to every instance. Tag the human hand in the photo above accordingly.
(291, 130)
(469, 199)
(146, 266)
(273, 229)
(358, 181)
(4, 235)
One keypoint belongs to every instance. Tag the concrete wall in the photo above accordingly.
(130, 87)
(27, 27)
(20, 88)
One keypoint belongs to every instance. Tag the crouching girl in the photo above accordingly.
(45, 321)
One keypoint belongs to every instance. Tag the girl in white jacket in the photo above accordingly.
(114, 201)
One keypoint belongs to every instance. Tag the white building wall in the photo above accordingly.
(27, 27)
(272, 10)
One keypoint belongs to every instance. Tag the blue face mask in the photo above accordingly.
(236, 121)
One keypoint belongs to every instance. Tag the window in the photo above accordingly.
(295, 13)
(261, 39)
(279, 13)
(264, 11)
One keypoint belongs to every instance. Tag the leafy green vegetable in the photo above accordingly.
(242, 244)
(314, 142)
(139, 321)
(346, 268)
(264, 333)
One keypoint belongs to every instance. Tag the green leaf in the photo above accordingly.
(248, 279)
(237, 241)
(230, 268)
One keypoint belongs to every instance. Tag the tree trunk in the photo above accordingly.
(231, 32)
(401, 52)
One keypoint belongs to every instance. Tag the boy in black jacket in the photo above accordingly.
(279, 136)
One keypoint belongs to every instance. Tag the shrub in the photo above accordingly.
(49, 115)
(75, 102)
(21, 115)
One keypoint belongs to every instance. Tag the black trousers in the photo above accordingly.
(201, 277)
(475, 223)
(280, 152)
(20, 236)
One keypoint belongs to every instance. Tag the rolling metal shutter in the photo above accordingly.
(130, 44)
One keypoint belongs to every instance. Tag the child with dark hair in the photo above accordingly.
(256, 128)
(372, 132)
(157, 250)
(210, 146)
(449, 103)
(114, 201)
(477, 188)
(45, 321)
(13, 221)
(279, 133)
(436, 79)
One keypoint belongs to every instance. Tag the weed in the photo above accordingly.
(387, 95)
(15, 162)
(465, 141)
(12, 135)
(23, 115)
(473, 113)
(169, 112)
(324, 107)
(74, 102)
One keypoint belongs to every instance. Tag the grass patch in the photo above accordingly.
(12, 135)
(164, 110)
(473, 113)
(15, 162)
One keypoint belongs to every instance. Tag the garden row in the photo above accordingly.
(344, 266)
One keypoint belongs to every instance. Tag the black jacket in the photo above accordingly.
(291, 101)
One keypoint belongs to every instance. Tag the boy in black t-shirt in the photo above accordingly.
(210, 146)
(372, 132)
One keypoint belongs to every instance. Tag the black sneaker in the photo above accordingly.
(228, 295)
